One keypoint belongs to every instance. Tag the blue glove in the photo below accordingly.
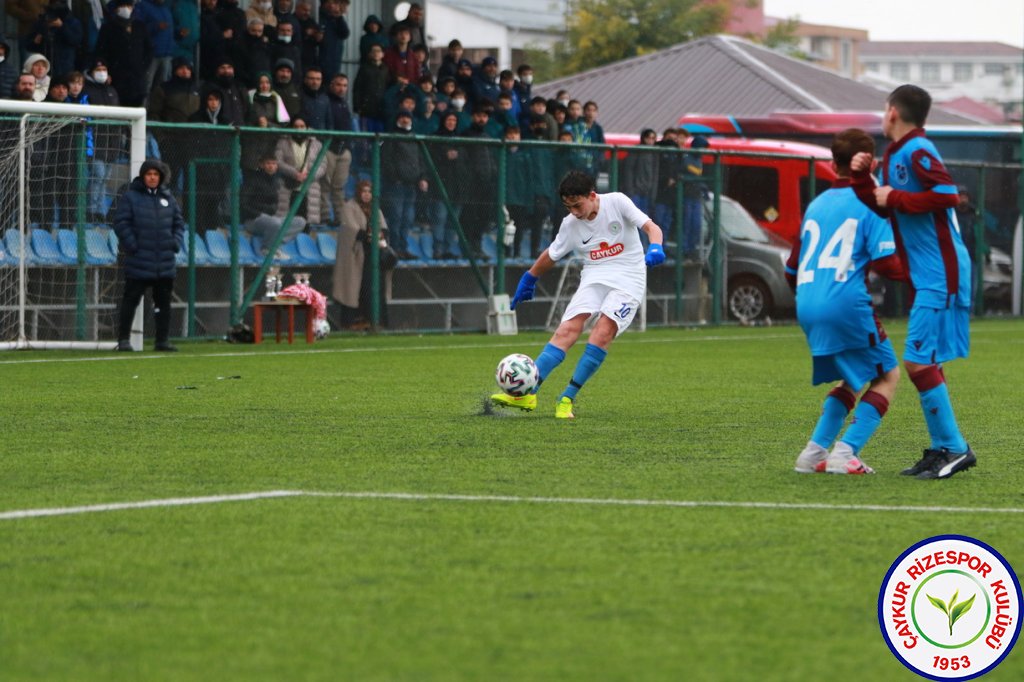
(655, 255)
(524, 290)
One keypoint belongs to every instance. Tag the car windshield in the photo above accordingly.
(736, 222)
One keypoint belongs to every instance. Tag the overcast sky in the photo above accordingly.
(997, 20)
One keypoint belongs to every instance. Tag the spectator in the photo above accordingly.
(402, 171)
(640, 173)
(187, 29)
(39, 67)
(423, 57)
(443, 93)
(57, 35)
(520, 202)
(574, 118)
(399, 58)
(373, 34)
(284, 45)
(426, 121)
(150, 230)
(266, 108)
(107, 141)
(234, 96)
(458, 105)
(231, 20)
(309, 35)
(368, 91)
(414, 22)
(559, 112)
(503, 115)
(449, 159)
(669, 170)
(295, 156)
(693, 196)
(8, 70)
(523, 87)
(592, 131)
(159, 21)
(262, 209)
(352, 285)
(464, 78)
(335, 32)
(563, 98)
(339, 154)
(287, 89)
(211, 179)
(538, 113)
(316, 108)
(485, 81)
(26, 12)
(212, 44)
(264, 11)
(283, 12)
(173, 102)
(506, 85)
(480, 213)
(450, 61)
(252, 53)
(76, 95)
(24, 88)
(124, 45)
(401, 95)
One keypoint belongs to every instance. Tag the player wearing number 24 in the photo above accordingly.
(840, 239)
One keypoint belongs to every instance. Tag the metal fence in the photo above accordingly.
(444, 206)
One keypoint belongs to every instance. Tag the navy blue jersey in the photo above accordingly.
(839, 239)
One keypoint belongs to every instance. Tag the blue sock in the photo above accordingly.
(589, 362)
(866, 418)
(837, 405)
(546, 362)
(938, 415)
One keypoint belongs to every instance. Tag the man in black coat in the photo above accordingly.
(150, 230)
(124, 46)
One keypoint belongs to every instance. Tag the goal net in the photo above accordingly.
(61, 166)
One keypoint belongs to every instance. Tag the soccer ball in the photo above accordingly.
(517, 374)
(321, 328)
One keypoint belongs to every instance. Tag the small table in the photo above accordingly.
(277, 305)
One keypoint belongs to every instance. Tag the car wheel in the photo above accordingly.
(749, 299)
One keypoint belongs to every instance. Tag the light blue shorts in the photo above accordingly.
(936, 335)
(856, 367)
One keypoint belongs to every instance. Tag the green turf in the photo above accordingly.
(326, 588)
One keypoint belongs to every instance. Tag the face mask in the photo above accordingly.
(405, 127)
(564, 102)
(527, 80)
(285, 39)
(458, 102)
(100, 77)
(124, 12)
(265, 5)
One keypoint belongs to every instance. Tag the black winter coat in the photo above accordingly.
(150, 229)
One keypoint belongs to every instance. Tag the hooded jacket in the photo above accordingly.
(42, 84)
(149, 227)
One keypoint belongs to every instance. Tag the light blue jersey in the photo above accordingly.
(839, 239)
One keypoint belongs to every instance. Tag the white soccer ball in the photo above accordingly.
(321, 329)
(517, 374)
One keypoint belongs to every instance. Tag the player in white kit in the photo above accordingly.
(604, 229)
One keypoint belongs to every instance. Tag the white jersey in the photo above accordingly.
(609, 244)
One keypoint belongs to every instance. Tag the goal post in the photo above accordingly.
(50, 154)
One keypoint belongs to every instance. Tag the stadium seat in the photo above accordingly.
(97, 247)
(67, 242)
(202, 255)
(46, 249)
(12, 243)
(328, 246)
(308, 250)
(217, 245)
(287, 249)
(113, 243)
(246, 254)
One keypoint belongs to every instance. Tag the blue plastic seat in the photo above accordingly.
(97, 247)
(202, 255)
(287, 249)
(46, 250)
(113, 242)
(218, 247)
(67, 242)
(308, 250)
(247, 255)
(12, 242)
(328, 246)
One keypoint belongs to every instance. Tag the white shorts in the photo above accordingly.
(616, 304)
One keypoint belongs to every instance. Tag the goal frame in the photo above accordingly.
(137, 117)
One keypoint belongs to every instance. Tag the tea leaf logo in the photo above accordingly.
(953, 611)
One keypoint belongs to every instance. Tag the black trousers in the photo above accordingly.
(134, 290)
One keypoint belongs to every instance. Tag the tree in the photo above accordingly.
(782, 36)
(605, 31)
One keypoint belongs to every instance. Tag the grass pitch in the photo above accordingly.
(492, 585)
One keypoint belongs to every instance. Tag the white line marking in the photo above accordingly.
(146, 504)
(508, 499)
